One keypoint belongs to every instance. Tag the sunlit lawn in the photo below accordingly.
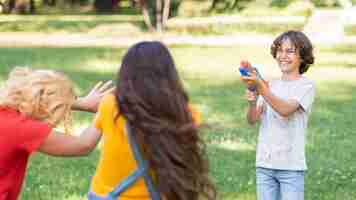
(350, 30)
(123, 25)
(212, 81)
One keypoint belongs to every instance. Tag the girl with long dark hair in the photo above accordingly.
(151, 101)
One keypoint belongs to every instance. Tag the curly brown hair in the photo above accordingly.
(151, 97)
(302, 45)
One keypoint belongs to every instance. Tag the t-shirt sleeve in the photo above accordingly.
(304, 95)
(106, 103)
(32, 133)
(98, 120)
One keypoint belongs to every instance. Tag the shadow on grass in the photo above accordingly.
(63, 178)
(58, 178)
(75, 62)
(233, 172)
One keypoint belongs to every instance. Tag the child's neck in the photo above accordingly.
(291, 76)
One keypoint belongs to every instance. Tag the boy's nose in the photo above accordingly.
(284, 54)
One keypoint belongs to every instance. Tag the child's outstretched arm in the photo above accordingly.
(59, 144)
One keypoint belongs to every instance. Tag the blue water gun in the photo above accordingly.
(245, 69)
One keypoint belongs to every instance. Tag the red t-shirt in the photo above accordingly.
(19, 137)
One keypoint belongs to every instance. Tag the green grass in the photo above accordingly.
(243, 27)
(131, 24)
(336, 56)
(210, 76)
(350, 30)
(68, 24)
(259, 8)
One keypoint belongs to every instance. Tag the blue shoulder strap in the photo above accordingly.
(141, 171)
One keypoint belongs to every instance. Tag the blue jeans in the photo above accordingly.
(93, 196)
(273, 184)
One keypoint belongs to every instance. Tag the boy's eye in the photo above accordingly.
(287, 51)
(290, 51)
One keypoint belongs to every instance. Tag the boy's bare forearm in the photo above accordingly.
(282, 107)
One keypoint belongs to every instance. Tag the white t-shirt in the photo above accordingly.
(281, 140)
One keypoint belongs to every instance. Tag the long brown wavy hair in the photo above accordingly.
(151, 97)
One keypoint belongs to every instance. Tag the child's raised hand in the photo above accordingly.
(251, 80)
(91, 101)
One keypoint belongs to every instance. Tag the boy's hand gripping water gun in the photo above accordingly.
(246, 69)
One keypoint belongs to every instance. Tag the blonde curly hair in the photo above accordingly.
(44, 95)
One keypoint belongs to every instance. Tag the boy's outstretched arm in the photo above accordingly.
(59, 144)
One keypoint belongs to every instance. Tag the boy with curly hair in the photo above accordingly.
(283, 108)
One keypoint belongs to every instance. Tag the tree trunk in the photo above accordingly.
(213, 6)
(22, 6)
(32, 7)
(166, 9)
(146, 14)
(159, 15)
(10, 5)
(49, 2)
(115, 4)
(235, 4)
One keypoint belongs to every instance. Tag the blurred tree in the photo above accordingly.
(143, 5)
(326, 3)
(228, 4)
(215, 3)
(280, 3)
(158, 19)
(49, 2)
(156, 13)
(166, 12)
(104, 5)
(19, 6)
